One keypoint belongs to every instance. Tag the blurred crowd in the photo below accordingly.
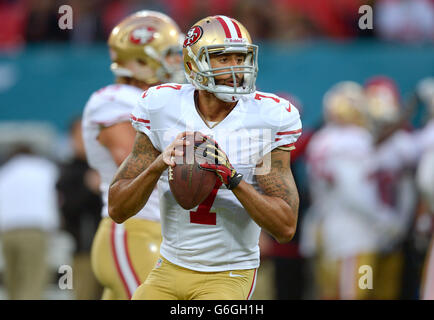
(29, 21)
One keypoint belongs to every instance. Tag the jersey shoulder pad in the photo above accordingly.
(111, 104)
(276, 111)
(118, 93)
(320, 141)
(157, 97)
(352, 141)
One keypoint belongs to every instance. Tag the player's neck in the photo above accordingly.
(212, 108)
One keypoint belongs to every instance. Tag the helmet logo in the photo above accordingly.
(193, 35)
(142, 35)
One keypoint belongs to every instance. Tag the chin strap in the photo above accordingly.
(227, 97)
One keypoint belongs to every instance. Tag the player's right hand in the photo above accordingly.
(175, 149)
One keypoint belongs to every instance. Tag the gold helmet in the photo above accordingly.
(344, 104)
(141, 46)
(383, 101)
(219, 35)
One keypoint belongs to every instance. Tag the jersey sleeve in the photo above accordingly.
(108, 113)
(142, 114)
(282, 117)
(288, 127)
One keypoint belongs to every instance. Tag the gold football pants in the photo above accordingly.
(168, 281)
(124, 254)
(427, 287)
(347, 279)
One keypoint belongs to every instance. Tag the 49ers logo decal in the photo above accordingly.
(142, 35)
(193, 36)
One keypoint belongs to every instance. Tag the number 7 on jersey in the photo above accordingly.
(203, 215)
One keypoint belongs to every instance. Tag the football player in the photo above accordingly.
(145, 49)
(211, 251)
(348, 216)
(395, 157)
(425, 178)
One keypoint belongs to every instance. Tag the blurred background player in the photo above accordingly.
(145, 51)
(28, 218)
(425, 181)
(80, 205)
(395, 156)
(346, 218)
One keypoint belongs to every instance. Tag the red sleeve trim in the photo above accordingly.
(139, 119)
(288, 145)
(175, 86)
(288, 132)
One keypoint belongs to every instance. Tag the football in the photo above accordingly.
(190, 184)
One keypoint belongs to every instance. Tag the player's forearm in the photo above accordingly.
(271, 213)
(129, 196)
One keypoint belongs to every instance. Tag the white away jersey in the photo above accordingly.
(106, 107)
(220, 236)
(344, 196)
(393, 158)
(425, 169)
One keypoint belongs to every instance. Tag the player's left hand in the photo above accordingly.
(219, 163)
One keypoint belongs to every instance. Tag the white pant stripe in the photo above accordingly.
(121, 256)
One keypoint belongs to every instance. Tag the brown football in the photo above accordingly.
(189, 184)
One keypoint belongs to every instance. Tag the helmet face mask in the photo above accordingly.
(210, 37)
(139, 46)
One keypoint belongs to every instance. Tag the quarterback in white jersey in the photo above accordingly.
(212, 252)
(142, 48)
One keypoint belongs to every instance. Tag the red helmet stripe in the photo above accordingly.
(237, 28)
(225, 27)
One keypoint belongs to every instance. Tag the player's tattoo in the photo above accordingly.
(280, 182)
(141, 157)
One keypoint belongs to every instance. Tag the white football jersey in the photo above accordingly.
(344, 196)
(425, 137)
(106, 107)
(425, 169)
(218, 234)
(394, 158)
